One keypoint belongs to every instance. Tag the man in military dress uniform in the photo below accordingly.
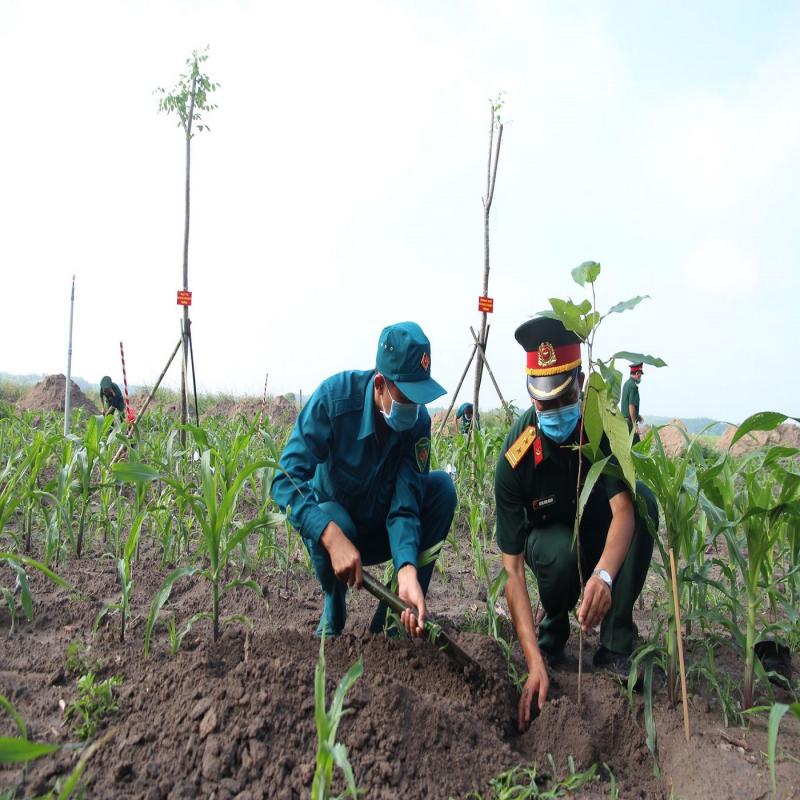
(536, 490)
(356, 477)
(630, 400)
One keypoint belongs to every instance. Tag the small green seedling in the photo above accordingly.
(95, 701)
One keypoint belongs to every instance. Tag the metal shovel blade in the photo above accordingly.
(433, 632)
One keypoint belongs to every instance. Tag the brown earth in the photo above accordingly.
(235, 719)
(278, 410)
(49, 395)
(673, 437)
(787, 434)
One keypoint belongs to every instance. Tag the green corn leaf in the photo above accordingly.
(25, 592)
(649, 720)
(15, 751)
(134, 472)
(29, 562)
(244, 584)
(339, 754)
(775, 716)
(5, 703)
(161, 598)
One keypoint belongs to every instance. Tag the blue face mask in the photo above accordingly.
(402, 416)
(558, 423)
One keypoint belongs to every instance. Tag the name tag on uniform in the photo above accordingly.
(544, 502)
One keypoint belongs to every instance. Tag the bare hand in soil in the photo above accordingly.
(410, 593)
(345, 558)
(535, 686)
(595, 605)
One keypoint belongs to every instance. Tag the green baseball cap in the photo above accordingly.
(404, 357)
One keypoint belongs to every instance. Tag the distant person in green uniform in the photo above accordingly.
(356, 479)
(630, 400)
(111, 399)
(535, 491)
(464, 418)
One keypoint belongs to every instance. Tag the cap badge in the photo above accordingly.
(426, 361)
(547, 354)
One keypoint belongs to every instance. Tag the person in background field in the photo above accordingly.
(356, 477)
(536, 484)
(464, 418)
(111, 397)
(630, 400)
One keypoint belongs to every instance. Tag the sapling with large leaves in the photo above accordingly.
(601, 420)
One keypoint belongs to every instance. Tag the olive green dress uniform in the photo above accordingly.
(630, 397)
(536, 501)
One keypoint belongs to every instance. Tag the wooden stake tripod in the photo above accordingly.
(477, 346)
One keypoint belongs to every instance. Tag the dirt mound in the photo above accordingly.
(787, 434)
(278, 410)
(49, 394)
(673, 437)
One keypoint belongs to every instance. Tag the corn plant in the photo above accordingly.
(331, 753)
(95, 702)
(214, 504)
(775, 716)
(18, 563)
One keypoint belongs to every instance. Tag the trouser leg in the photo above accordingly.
(616, 630)
(550, 555)
(436, 516)
(334, 610)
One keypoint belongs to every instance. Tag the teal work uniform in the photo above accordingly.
(465, 422)
(382, 495)
(536, 504)
(115, 401)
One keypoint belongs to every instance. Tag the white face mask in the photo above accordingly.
(401, 416)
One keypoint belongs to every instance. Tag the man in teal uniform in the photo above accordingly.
(356, 477)
(464, 418)
(630, 400)
(111, 397)
(535, 489)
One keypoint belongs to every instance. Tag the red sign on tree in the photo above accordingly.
(184, 298)
(486, 304)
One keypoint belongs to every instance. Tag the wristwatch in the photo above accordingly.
(605, 577)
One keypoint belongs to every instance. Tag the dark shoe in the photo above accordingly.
(553, 660)
(617, 664)
(777, 659)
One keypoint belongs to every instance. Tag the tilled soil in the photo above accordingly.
(235, 719)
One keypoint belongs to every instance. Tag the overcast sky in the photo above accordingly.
(339, 188)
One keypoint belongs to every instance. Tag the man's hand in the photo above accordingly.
(410, 593)
(345, 558)
(595, 605)
(535, 689)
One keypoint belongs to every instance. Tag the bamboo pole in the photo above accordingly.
(149, 398)
(488, 368)
(679, 636)
(67, 392)
(458, 389)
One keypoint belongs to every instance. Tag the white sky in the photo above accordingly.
(339, 188)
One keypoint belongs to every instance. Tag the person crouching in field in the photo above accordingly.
(357, 482)
(110, 397)
(535, 491)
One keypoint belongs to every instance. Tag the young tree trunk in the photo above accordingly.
(185, 326)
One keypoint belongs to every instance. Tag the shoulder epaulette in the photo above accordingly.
(523, 443)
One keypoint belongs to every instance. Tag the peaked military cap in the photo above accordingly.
(637, 367)
(554, 356)
(404, 357)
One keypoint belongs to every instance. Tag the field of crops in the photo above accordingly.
(158, 616)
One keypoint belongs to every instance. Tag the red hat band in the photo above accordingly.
(550, 360)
